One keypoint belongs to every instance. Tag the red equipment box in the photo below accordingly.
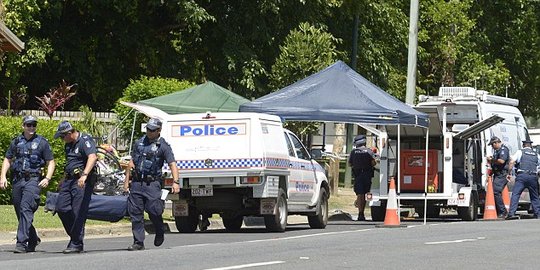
(413, 166)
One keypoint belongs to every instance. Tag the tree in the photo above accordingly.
(307, 50)
(21, 16)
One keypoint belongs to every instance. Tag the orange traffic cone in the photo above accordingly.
(391, 219)
(506, 198)
(490, 212)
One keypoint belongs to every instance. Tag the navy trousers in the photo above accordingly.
(525, 181)
(145, 196)
(26, 201)
(499, 182)
(72, 207)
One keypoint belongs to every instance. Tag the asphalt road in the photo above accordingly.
(342, 245)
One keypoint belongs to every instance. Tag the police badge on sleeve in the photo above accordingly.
(87, 143)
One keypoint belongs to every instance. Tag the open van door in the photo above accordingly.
(478, 127)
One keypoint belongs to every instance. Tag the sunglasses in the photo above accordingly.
(63, 135)
(30, 125)
(151, 130)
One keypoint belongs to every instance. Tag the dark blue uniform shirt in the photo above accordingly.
(148, 156)
(36, 151)
(78, 151)
(502, 153)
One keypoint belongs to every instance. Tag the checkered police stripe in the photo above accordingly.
(217, 163)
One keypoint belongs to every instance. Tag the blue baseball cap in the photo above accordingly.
(29, 119)
(63, 128)
(153, 124)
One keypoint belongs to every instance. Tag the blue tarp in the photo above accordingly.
(337, 94)
(105, 208)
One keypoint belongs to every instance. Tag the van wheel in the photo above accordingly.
(233, 224)
(278, 221)
(187, 224)
(471, 212)
(378, 212)
(320, 220)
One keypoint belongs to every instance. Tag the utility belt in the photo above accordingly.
(27, 174)
(147, 178)
(500, 172)
(526, 172)
(77, 173)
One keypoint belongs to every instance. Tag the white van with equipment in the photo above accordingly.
(241, 164)
(462, 120)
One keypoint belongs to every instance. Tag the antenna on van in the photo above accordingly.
(209, 115)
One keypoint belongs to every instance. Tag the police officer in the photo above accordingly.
(27, 155)
(362, 160)
(76, 189)
(499, 166)
(527, 163)
(147, 158)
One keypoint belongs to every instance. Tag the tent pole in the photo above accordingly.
(426, 177)
(132, 131)
(399, 169)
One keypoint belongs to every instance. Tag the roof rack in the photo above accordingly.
(450, 94)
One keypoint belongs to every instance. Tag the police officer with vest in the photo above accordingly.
(27, 155)
(76, 189)
(147, 158)
(527, 163)
(499, 166)
(362, 160)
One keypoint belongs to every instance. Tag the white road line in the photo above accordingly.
(303, 236)
(455, 241)
(247, 265)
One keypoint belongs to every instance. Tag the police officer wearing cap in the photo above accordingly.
(26, 156)
(76, 189)
(362, 160)
(499, 166)
(147, 158)
(527, 163)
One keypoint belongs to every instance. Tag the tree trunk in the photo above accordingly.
(334, 162)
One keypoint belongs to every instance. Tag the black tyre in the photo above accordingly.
(378, 213)
(469, 213)
(187, 224)
(233, 224)
(320, 220)
(278, 221)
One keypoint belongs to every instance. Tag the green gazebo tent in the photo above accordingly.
(201, 98)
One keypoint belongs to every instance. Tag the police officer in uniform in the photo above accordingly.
(362, 160)
(527, 163)
(27, 155)
(147, 158)
(76, 189)
(499, 166)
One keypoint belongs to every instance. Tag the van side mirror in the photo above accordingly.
(316, 153)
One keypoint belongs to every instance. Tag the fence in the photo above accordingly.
(108, 117)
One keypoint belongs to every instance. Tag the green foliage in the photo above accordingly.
(12, 127)
(90, 124)
(306, 50)
(22, 18)
(144, 88)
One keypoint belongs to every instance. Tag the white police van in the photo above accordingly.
(462, 121)
(241, 164)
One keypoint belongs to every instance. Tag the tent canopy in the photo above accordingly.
(201, 98)
(337, 94)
